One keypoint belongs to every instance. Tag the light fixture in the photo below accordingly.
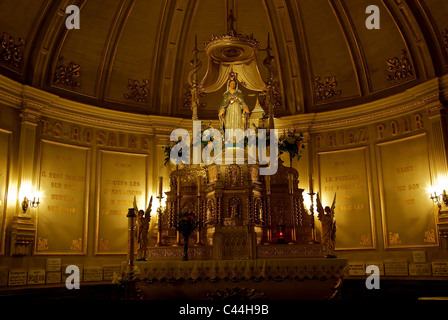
(26, 203)
(440, 199)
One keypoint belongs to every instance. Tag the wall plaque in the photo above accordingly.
(419, 269)
(396, 268)
(346, 173)
(53, 277)
(17, 277)
(53, 264)
(93, 274)
(108, 271)
(5, 146)
(356, 269)
(64, 189)
(121, 177)
(404, 174)
(36, 276)
(440, 269)
(419, 256)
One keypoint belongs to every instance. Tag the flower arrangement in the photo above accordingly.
(186, 223)
(291, 142)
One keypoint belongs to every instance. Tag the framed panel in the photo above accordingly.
(61, 217)
(121, 176)
(346, 173)
(404, 178)
(5, 160)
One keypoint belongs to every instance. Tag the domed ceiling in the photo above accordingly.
(134, 55)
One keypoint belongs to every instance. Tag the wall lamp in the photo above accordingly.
(26, 203)
(439, 199)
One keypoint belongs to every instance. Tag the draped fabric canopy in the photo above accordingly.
(218, 71)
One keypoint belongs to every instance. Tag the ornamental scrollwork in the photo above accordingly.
(399, 68)
(12, 51)
(326, 89)
(66, 75)
(139, 92)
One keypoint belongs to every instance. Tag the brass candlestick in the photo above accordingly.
(131, 242)
(313, 230)
(159, 222)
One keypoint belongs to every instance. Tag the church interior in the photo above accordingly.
(118, 179)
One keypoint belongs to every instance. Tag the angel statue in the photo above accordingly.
(233, 112)
(143, 220)
(326, 217)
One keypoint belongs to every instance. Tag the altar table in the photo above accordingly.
(284, 279)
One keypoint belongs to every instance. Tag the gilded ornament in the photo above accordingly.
(399, 68)
(42, 244)
(139, 92)
(445, 38)
(104, 245)
(366, 239)
(65, 75)
(430, 236)
(325, 90)
(12, 51)
(76, 245)
(394, 238)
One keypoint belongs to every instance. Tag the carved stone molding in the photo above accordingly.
(445, 39)
(326, 89)
(399, 69)
(236, 293)
(12, 51)
(139, 92)
(67, 75)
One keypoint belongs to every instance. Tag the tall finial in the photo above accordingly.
(231, 20)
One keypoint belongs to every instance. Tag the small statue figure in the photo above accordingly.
(143, 220)
(233, 112)
(326, 217)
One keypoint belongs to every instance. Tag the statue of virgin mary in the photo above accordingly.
(233, 112)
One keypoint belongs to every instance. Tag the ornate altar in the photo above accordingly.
(242, 214)
(250, 226)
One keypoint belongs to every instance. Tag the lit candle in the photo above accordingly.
(161, 187)
(199, 185)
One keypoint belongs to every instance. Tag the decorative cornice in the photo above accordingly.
(424, 97)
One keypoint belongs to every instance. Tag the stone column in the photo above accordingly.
(23, 229)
